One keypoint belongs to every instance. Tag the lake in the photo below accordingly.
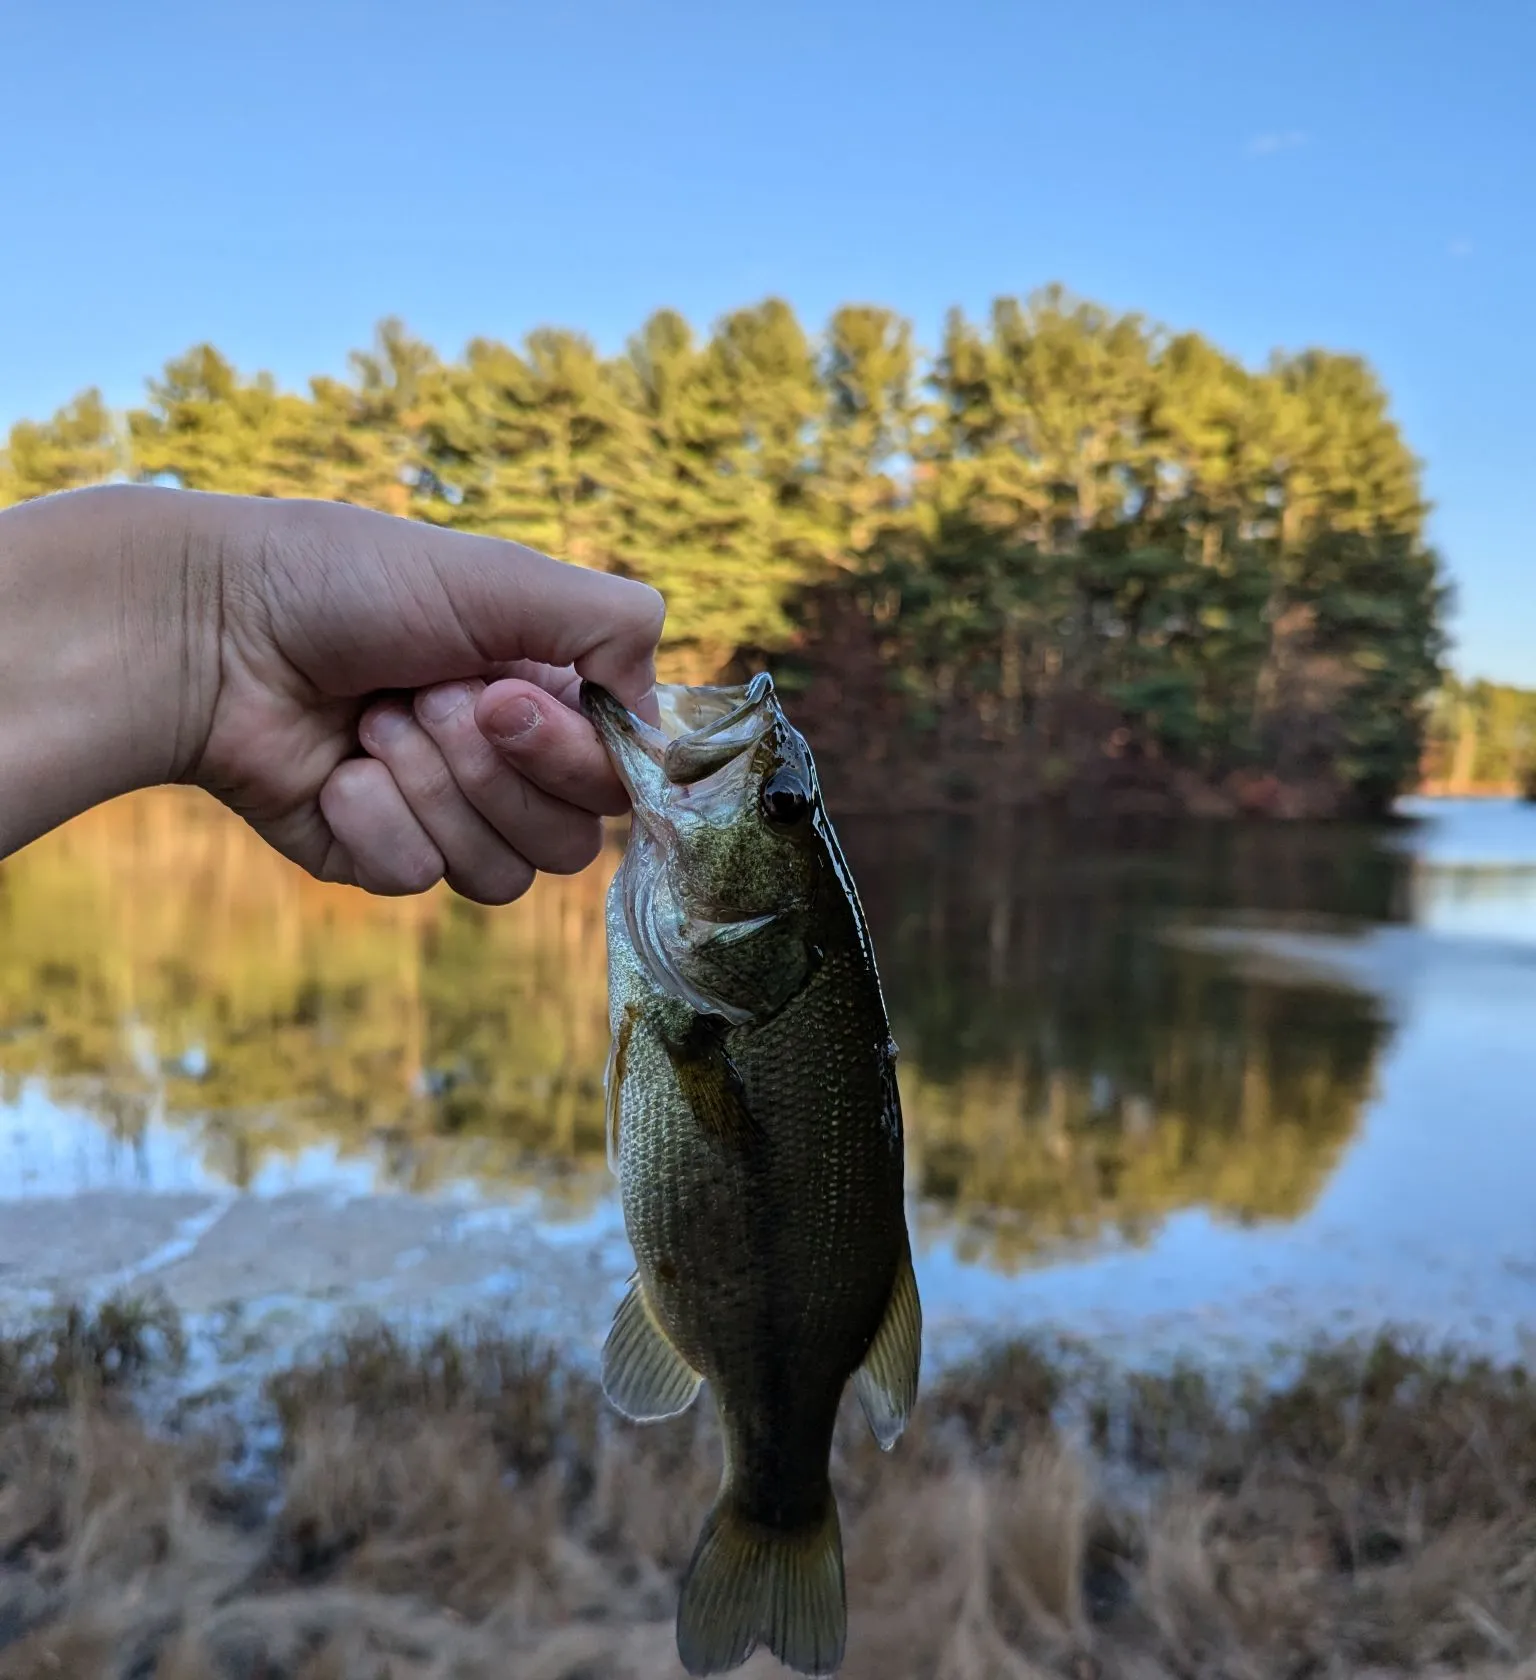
(1202, 1089)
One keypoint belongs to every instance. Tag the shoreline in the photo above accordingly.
(261, 1280)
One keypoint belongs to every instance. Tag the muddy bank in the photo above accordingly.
(258, 1280)
(468, 1508)
(262, 1279)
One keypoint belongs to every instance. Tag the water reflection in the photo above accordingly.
(156, 954)
(1069, 1065)
(1067, 1072)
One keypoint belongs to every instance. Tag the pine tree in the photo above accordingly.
(80, 445)
(722, 519)
(539, 445)
(361, 440)
(1068, 529)
(207, 428)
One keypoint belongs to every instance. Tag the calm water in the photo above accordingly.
(1185, 1087)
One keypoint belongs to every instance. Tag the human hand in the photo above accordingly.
(265, 642)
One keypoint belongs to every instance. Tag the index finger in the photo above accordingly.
(550, 744)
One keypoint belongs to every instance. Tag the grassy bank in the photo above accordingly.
(466, 1508)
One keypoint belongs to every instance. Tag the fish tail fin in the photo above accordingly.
(749, 1583)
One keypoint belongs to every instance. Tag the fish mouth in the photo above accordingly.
(702, 730)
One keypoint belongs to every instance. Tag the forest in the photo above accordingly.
(1067, 556)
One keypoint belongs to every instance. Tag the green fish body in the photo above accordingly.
(755, 1128)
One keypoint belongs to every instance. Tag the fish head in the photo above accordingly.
(728, 858)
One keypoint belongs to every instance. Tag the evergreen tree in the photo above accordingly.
(80, 445)
(361, 440)
(207, 428)
(1067, 534)
(538, 445)
(722, 520)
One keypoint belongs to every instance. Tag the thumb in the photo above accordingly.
(518, 604)
(363, 600)
(604, 626)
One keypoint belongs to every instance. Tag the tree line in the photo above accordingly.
(1066, 550)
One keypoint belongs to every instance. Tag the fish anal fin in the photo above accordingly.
(644, 1376)
(886, 1383)
(749, 1584)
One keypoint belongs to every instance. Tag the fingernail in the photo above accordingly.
(439, 704)
(389, 723)
(511, 722)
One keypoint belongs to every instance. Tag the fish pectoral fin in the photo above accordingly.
(749, 1583)
(886, 1383)
(613, 1108)
(712, 1084)
(737, 933)
(644, 1376)
(613, 1084)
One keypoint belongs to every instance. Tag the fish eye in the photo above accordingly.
(785, 799)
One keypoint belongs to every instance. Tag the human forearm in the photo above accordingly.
(387, 703)
(102, 598)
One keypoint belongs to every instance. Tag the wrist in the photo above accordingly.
(108, 605)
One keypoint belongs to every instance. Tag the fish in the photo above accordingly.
(754, 1125)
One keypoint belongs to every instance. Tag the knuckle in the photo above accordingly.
(650, 606)
(422, 875)
(430, 781)
(376, 845)
(501, 881)
(409, 873)
(477, 769)
(337, 866)
(348, 781)
(384, 881)
(574, 849)
(569, 766)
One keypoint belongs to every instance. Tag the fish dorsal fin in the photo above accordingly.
(886, 1383)
(712, 1083)
(644, 1376)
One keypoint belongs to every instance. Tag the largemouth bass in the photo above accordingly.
(755, 1127)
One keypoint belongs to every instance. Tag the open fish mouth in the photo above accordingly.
(703, 729)
(702, 711)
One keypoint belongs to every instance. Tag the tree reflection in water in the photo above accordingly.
(1060, 1062)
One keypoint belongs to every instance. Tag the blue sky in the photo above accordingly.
(1359, 174)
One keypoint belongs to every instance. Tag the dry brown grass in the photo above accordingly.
(465, 1509)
